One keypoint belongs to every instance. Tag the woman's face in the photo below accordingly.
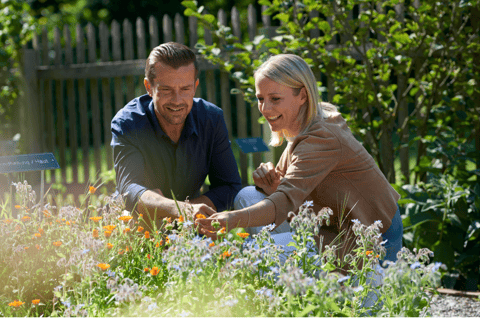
(279, 105)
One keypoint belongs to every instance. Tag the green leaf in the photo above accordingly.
(306, 311)
(190, 5)
(189, 12)
(328, 267)
(284, 17)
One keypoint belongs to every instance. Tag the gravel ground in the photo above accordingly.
(443, 305)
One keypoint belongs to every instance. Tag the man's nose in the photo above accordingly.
(176, 97)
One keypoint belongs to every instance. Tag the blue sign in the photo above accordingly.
(28, 162)
(248, 145)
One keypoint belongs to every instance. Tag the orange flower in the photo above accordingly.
(110, 227)
(25, 218)
(36, 301)
(140, 229)
(121, 252)
(95, 233)
(211, 244)
(243, 234)
(368, 253)
(57, 243)
(38, 235)
(25, 248)
(140, 215)
(377, 256)
(127, 248)
(148, 256)
(226, 254)
(127, 229)
(95, 219)
(17, 227)
(146, 269)
(109, 245)
(47, 213)
(103, 266)
(16, 303)
(160, 243)
(147, 235)
(154, 271)
(92, 189)
(107, 233)
(7, 221)
(18, 207)
(169, 220)
(37, 246)
(167, 240)
(40, 230)
(63, 219)
(125, 218)
(181, 219)
(200, 216)
(222, 231)
(67, 223)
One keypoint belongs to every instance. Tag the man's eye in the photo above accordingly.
(260, 99)
(275, 99)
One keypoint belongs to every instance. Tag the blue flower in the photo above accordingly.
(356, 221)
(383, 242)
(308, 204)
(187, 223)
(275, 269)
(85, 251)
(357, 289)
(437, 266)
(343, 279)
(205, 257)
(110, 273)
(66, 303)
(152, 306)
(415, 265)
(257, 262)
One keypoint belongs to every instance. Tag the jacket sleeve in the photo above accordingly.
(313, 157)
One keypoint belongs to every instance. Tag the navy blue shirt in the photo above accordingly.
(146, 158)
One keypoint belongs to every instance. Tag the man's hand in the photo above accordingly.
(267, 177)
(227, 220)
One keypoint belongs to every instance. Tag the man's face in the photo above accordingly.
(172, 92)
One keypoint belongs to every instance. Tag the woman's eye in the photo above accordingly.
(275, 99)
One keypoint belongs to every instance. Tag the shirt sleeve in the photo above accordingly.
(312, 159)
(129, 168)
(223, 173)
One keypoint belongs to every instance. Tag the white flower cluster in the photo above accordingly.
(295, 282)
(25, 191)
(129, 291)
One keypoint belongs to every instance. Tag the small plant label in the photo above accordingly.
(28, 162)
(249, 145)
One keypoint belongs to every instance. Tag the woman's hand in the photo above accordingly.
(267, 177)
(228, 220)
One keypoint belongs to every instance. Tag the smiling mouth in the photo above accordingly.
(274, 118)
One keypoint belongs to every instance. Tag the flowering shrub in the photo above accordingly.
(61, 265)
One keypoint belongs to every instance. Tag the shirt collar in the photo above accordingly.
(189, 128)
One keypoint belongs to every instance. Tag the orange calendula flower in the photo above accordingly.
(103, 266)
(40, 230)
(181, 219)
(38, 235)
(243, 234)
(169, 220)
(7, 221)
(109, 227)
(95, 219)
(127, 229)
(125, 218)
(18, 207)
(107, 233)
(109, 245)
(16, 303)
(95, 233)
(36, 301)
(157, 245)
(226, 254)
(140, 229)
(57, 243)
(167, 240)
(146, 269)
(127, 248)
(47, 213)
(26, 218)
(212, 244)
(222, 231)
(148, 256)
(368, 253)
(37, 246)
(121, 252)
(200, 216)
(161, 243)
(92, 189)
(154, 271)
(25, 248)
(67, 223)
(140, 215)
(147, 235)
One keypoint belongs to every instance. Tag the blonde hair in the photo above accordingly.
(292, 71)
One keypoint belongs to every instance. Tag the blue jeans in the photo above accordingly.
(394, 235)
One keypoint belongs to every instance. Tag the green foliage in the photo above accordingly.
(431, 48)
(16, 30)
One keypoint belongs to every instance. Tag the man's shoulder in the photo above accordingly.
(206, 108)
(133, 112)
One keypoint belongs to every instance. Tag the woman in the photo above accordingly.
(323, 163)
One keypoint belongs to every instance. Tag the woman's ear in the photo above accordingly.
(303, 95)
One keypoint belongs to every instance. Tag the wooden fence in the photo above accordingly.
(75, 87)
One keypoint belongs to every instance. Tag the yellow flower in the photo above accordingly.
(109, 245)
(38, 235)
(16, 303)
(140, 229)
(147, 235)
(92, 189)
(181, 219)
(36, 301)
(211, 244)
(103, 266)
(110, 227)
(125, 218)
(107, 233)
(95, 233)
(95, 219)
(243, 234)
(57, 243)
(26, 218)
(154, 271)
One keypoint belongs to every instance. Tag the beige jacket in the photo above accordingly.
(329, 166)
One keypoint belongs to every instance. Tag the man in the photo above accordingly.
(168, 141)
